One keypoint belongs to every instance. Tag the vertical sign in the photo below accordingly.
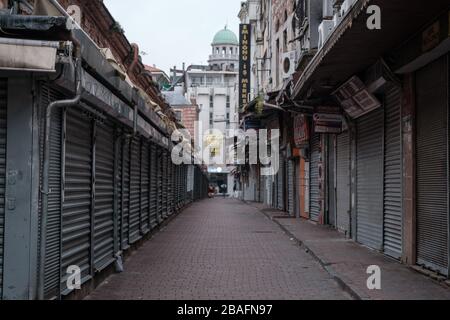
(244, 65)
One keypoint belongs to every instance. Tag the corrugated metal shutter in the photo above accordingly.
(52, 272)
(77, 205)
(291, 179)
(280, 185)
(135, 191)
(432, 166)
(170, 189)
(3, 131)
(160, 183)
(125, 194)
(343, 182)
(164, 184)
(315, 178)
(153, 188)
(370, 180)
(104, 196)
(145, 188)
(331, 180)
(393, 197)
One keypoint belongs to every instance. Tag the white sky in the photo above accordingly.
(174, 31)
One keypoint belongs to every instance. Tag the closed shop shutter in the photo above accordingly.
(135, 191)
(291, 179)
(315, 178)
(153, 188)
(104, 196)
(393, 219)
(432, 166)
(3, 118)
(53, 240)
(145, 188)
(343, 182)
(125, 194)
(170, 193)
(160, 183)
(77, 205)
(164, 184)
(280, 185)
(331, 181)
(370, 180)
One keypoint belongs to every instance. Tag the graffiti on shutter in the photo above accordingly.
(369, 183)
(393, 218)
(135, 193)
(104, 196)
(77, 205)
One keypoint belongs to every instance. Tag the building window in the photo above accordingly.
(211, 102)
(228, 102)
(178, 116)
(211, 118)
(285, 40)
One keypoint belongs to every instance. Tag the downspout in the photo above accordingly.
(46, 188)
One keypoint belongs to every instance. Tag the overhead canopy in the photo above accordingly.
(352, 47)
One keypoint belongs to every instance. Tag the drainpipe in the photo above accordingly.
(46, 189)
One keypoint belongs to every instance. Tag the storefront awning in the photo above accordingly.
(352, 47)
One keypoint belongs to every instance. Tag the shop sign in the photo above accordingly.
(244, 65)
(355, 99)
(328, 120)
(301, 131)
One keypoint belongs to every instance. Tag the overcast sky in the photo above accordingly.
(174, 31)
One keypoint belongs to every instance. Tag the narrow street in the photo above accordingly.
(212, 252)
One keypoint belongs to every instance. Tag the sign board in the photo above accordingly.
(328, 120)
(244, 65)
(301, 131)
(355, 99)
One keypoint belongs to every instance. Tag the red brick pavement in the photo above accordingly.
(220, 249)
(348, 262)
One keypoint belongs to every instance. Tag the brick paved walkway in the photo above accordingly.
(220, 249)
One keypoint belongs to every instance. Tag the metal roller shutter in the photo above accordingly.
(291, 193)
(135, 191)
(369, 163)
(343, 182)
(432, 167)
(52, 272)
(77, 203)
(153, 188)
(160, 183)
(393, 219)
(145, 188)
(164, 184)
(170, 190)
(125, 194)
(104, 196)
(3, 132)
(332, 181)
(315, 178)
(280, 185)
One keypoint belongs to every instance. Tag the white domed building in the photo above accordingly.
(214, 88)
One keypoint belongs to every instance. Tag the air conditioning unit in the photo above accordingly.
(337, 19)
(325, 29)
(289, 63)
(346, 6)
